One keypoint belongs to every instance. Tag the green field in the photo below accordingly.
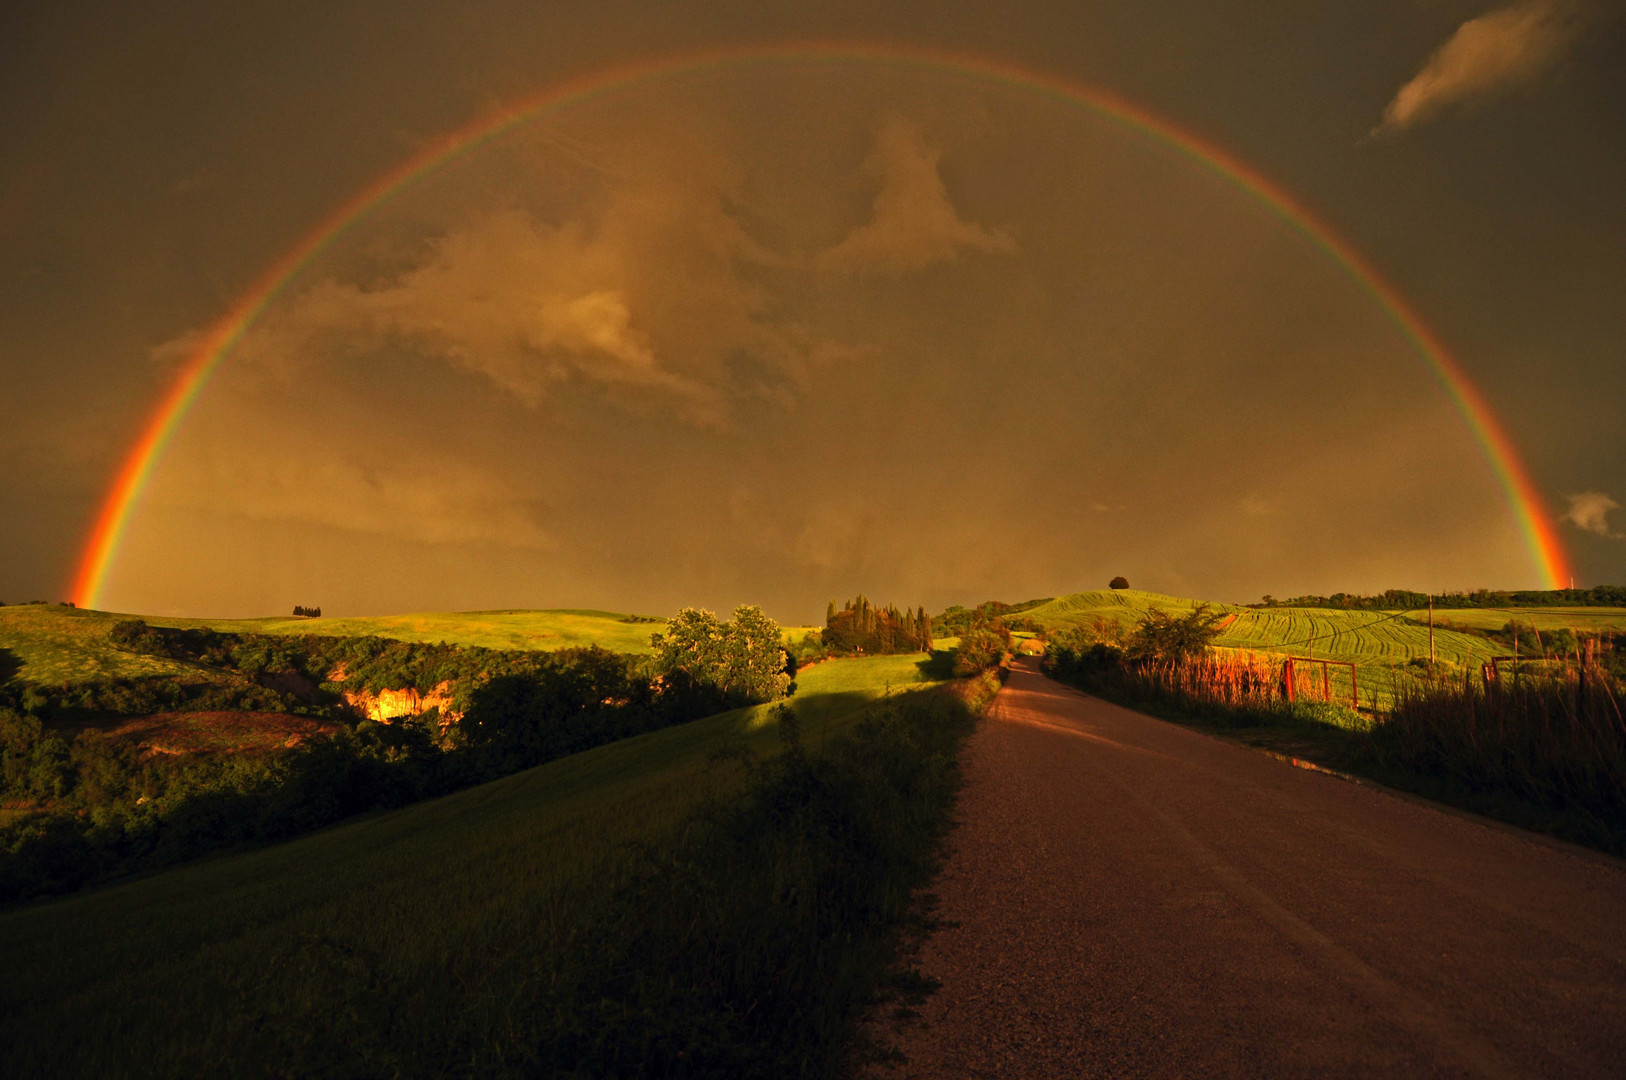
(55, 645)
(295, 937)
(1379, 643)
(1578, 619)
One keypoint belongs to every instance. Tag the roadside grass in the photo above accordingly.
(458, 935)
(1547, 753)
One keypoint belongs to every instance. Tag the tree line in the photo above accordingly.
(93, 807)
(1405, 599)
(860, 627)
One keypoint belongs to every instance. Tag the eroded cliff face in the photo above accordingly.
(386, 706)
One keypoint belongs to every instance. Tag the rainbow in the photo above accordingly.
(1535, 522)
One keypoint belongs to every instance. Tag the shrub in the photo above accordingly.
(1118, 583)
(1162, 636)
(981, 649)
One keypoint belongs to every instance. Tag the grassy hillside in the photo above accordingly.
(490, 629)
(50, 644)
(1582, 619)
(333, 938)
(1379, 643)
(1122, 605)
(55, 645)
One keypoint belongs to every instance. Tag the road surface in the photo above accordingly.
(1137, 899)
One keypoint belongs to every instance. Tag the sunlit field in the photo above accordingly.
(1385, 646)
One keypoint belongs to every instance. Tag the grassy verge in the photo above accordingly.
(713, 899)
(1523, 760)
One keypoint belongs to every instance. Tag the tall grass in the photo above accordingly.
(1232, 687)
(1555, 737)
(1545, 749)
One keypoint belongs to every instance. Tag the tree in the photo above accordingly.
(743, 659)
(981, 649)
(1162, 636)
(1119, 582)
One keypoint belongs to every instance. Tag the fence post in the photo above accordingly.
(1354, 690)
(1326, 681)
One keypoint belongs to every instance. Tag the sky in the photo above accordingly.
(789, 328)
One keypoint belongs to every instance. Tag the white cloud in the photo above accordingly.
(654, 300)
(914, 223)
(526, 305)
(1589, 511)
(1491, 54)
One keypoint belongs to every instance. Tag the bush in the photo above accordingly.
(1118, 583)
(981, 649)
(1162, 636)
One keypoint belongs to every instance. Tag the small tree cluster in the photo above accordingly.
(861, 627)
(301, 612)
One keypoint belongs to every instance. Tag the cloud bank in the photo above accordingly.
(1485, 57)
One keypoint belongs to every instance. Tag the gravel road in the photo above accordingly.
(1137, 899)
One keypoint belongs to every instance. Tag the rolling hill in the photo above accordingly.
(1381, 644)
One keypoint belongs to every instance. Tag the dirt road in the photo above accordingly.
(1137, 899)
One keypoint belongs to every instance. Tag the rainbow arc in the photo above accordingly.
(1535, 521)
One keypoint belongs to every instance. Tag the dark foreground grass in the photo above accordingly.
(714, 900)
(1548, 755)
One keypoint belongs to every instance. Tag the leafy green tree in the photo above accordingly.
(1163, 636)
(1118, 583)
(744, 659)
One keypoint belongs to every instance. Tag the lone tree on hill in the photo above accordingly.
(1119, 582)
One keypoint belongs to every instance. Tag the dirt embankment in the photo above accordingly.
(219, 732)
(387, 706)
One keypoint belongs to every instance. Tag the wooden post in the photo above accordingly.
(1354, 690)
(1326, 681)
(1288, 679)
(1431, 633)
